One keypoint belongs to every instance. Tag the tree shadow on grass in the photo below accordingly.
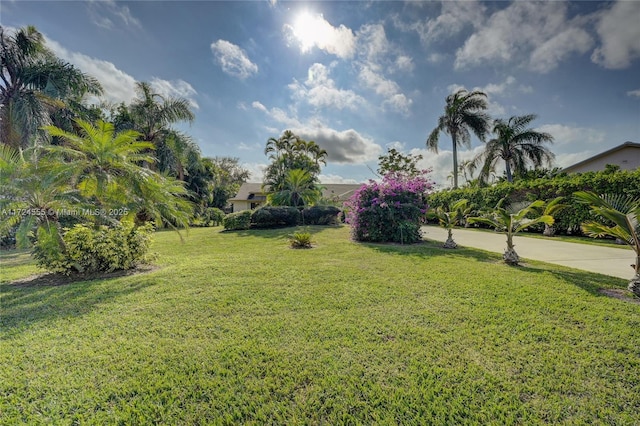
(27, 302)
(593, 283)
(431, 248)
(282, 232)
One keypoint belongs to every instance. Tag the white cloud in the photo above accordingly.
(455, 16)
(311, 31)
(441, 164)
(634, 93)
(547, 56)
(118, 86)
(327, 179)
(176, 88)
(103, 14)
(343, 147)
(256, 171)
(403, 63)
(619, 33)
(257, 105)
(575, 136)
(233, 60)
(389, 89)
(373, 44)
(537, 35)
(319, 90)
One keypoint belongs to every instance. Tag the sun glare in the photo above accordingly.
(311, 30)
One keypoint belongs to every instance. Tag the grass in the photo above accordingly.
(240, 328)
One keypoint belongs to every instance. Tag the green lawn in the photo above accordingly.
(239, 328)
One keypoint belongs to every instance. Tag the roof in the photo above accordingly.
(340, 191)
(246, 189)
(603, 154)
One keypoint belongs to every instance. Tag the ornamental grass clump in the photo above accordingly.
(391, 210)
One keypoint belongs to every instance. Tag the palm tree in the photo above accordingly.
(512, 220)
(517, 145)
(299, 190)
(463, 112)
(152, 114)
(623, 213)
(449, 218)
(32, 196)
(105, 167)
(34, 84)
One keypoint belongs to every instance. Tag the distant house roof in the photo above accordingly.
(627, 145)
(246, 190)
(337, 191)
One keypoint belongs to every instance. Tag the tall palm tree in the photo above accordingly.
(34, 84)
(464, 112)
(623, 213)
(517, 145)
(152, 115)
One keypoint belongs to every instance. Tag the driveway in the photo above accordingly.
(603, 260)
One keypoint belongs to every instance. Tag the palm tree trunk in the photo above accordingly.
(454, 137)
(508, 170)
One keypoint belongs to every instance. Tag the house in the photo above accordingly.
(251, 195)
(627, 156)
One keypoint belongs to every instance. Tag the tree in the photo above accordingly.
(34, 84)
(226, 179)
(450, 218)
(290, 152)
(512, 220)
(152, 115)
(396, 162)
(463, 112)
(299, 190)
(105, 168)
(516, 145)
(623, 213)
(32, 194)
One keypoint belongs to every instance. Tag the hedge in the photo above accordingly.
(624, 182)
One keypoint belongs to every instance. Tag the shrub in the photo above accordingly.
(237, 221)
(89, 250)
(389, 211)
(321, 215)
(275, 216)
(623, 183)
(215, 216)
(300, 240)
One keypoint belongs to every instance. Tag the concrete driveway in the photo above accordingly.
(603, 260)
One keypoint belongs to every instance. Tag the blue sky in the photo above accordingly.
(359, 77)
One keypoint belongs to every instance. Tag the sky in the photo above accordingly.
(359, 77)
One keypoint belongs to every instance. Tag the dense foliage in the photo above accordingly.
(396, 162)
(237, 221)
(292, 176)
(320, 215)
(568, 220)
(389, 211)
(274, 217)
(87, 249)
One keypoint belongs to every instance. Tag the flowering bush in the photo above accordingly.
(389, 211)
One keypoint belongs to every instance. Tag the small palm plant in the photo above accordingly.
(624, 213)
(511, 220)
(300, 240)
(450, 218)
